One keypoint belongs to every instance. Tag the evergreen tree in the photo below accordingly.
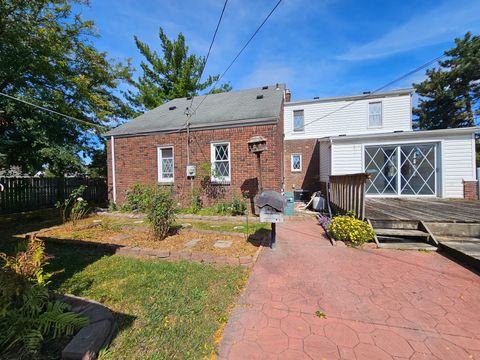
(173, 74)
(450, 95)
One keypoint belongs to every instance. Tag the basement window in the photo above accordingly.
(165, 164)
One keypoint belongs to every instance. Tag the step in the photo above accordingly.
(395, 224)
(408, 246)
(401, 232)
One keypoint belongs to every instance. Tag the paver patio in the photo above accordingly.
(379, 304)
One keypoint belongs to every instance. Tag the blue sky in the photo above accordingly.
(317, 47)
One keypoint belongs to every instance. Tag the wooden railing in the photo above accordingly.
(347, 193)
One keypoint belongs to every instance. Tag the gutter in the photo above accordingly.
(218, 125)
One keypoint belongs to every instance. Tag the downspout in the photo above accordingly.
(114, 182)
(328, 179)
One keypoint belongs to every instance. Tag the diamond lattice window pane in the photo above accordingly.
(167, 168)
(221, 152)
(418, 169)
(381, 164)
(221, 169)
(296, 163)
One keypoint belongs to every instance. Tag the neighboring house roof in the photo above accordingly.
(364, 96)
(407, 134)
(235, 108)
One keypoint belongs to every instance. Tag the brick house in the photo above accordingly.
(155, 148)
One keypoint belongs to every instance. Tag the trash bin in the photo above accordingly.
(290, 204)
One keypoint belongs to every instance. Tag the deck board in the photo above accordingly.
(426, 209)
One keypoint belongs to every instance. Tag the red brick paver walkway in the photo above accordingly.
(379, 304)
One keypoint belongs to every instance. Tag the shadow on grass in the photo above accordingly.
(14, 225)
(69, 259)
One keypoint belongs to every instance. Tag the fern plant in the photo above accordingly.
(28, 314)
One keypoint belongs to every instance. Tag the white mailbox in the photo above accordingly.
(269, 215)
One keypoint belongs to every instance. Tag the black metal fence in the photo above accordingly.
(19, 194)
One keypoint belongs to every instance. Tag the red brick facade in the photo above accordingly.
(470, 190)
(136, 161)
(308, 177)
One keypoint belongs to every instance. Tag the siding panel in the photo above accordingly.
(350, 120)
(457, 164)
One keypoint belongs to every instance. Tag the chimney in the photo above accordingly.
(288, 95)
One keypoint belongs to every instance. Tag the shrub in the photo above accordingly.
(28, 315)
(238, 206)
(222, 208)
(161, 214)
(348, 228)
(74, 207)
(137, 198)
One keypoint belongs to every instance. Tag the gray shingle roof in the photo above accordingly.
(218, 110)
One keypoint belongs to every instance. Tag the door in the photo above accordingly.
(408, 169)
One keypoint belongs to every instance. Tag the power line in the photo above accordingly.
(210, 47)
(191, 113)
(366, 96)
(240, 52)
(53, 111)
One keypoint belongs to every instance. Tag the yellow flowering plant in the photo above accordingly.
(348, 228)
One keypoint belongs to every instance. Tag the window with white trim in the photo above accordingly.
(220, 157)
(298, 120)
(165, 164)
(375, 114)
(296, 163)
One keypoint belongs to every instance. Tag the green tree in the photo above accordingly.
(47, 58)
(173, 74)
(449, 97)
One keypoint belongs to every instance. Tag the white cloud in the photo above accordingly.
(441, 24)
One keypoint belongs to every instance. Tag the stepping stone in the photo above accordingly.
(223, 244)
(238, 227)
(186, 225)
(138, 222)
(190, 244)
(97, 221)
(120, 237)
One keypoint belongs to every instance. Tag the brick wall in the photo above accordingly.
(136, 161)
(470, 190)
(308, 178)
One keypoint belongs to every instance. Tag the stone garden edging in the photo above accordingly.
(157, 254)
(183, 216)
(87, 343)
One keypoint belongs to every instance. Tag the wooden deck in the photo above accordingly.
(426, 209)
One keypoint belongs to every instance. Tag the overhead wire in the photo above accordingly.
(53, 111)
(369, 95)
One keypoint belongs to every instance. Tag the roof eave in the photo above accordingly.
(400, 92)
(199, 127)
(418, 133)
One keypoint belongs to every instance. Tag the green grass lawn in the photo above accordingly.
(164, 310)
